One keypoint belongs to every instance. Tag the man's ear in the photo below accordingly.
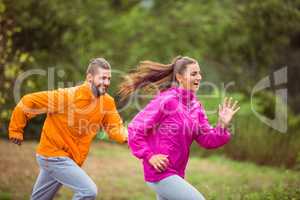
(89, 78)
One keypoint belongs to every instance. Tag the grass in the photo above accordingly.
(119, 176)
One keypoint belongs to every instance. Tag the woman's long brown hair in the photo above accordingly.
(150, 75)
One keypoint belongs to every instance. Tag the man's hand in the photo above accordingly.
(16, 141)
(160, 162)
(126, 136)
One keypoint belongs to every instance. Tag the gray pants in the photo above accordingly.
(58, 171)
(175, 188)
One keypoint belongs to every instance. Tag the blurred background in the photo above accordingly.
(237, 43)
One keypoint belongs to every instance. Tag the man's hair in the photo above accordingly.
(96, 63)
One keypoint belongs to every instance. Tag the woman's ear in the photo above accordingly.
(178, 77)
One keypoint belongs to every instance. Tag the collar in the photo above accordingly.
(185, 96)
(85, 92)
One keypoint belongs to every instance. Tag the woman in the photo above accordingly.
(162, 133)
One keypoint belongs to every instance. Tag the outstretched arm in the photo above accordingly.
(209, 137)
(31, 105)
(113, 124)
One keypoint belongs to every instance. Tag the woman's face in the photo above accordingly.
(191, 77)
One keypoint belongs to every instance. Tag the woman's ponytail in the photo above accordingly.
(153, 75)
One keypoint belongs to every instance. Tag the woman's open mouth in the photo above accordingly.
(196, 83)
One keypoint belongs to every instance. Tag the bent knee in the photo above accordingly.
(92, 191)
(89, 192)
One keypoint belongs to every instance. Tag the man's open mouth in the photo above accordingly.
(102, 88)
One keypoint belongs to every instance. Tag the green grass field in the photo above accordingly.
(119, 176)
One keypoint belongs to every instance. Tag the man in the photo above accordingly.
(74, 116)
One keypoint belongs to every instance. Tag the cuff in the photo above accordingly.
(148, 155)
(16, 135)
(222, 130)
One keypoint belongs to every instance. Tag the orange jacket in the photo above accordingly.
(74, 116)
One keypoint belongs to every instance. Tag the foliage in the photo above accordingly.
(240, 41)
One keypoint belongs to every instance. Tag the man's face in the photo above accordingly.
(100, 80)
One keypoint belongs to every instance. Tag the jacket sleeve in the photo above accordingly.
(33, 104)
(208, 136)
(112, 122)
(143, 124)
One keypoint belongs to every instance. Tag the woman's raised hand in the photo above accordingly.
(227, 110)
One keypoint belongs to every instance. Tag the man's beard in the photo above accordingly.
(98, 91)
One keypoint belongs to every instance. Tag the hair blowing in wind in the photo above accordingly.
(153, 75)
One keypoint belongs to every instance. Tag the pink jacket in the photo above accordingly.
(168, 125)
